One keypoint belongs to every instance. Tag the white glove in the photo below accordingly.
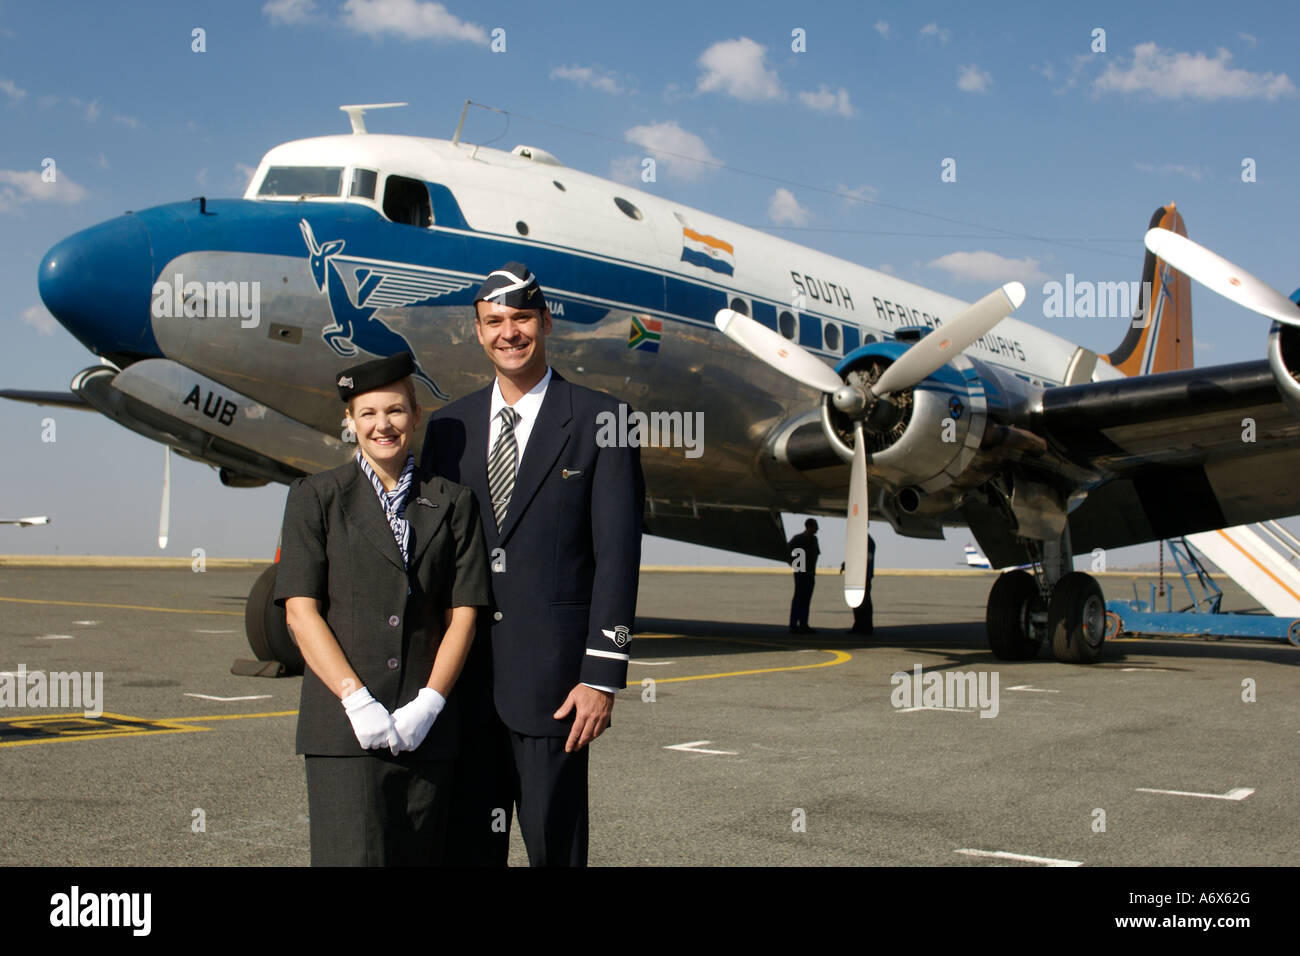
(371, 721)
(412, 721)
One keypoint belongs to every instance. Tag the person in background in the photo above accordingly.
(803, 559)
(862, 615)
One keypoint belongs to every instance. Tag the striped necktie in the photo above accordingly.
(501, 465)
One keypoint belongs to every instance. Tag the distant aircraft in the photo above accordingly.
(976, 560)
(26, 522)
(221, 323)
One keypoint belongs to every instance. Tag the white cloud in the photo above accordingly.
(1249, 39)
(784, 210)
(984, 266)
(39, 319)
(1171, 75)
(12, 90)
(971, 79)
(933, 29)
(409, 19)
(673, 148)
(886, 268)
(289, 11)
(626, 170)
(243, 176)
(882, 28)
(594, 77)
(129, 121)
(1191, 172)
(827, 101)
(91, 109)
(25, 185)
(856, 195)
(737, 68)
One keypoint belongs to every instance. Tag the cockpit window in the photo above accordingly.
(302, 181)
(407, 201)
(363, 183)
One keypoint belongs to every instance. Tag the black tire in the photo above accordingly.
(1076, 619)
(1012, 600)
(266, 628)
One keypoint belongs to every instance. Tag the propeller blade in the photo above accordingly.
(777, 351)
(1219, 275)
(164, 515)
(937, 347)
(855, 543)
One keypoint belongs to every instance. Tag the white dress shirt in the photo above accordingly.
(527, 408)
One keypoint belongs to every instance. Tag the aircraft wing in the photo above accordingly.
(1174, 453)
(56, 399)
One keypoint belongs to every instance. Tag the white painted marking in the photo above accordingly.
(1023, 858)
(1236, 793)
(1139, 670)
(951, 710)
(56, 637)
(653, 663)
(694, 747)
(202, 631)
(1036, 690)
(86, 623)
(210, 697)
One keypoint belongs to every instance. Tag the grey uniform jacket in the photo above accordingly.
(337, 546)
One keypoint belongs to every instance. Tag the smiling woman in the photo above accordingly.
(382, 570)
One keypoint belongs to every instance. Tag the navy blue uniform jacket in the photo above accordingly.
(337, 546)
(566, 562)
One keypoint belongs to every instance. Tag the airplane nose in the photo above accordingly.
(98, 284)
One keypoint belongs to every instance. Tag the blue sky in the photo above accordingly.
(1061, 155)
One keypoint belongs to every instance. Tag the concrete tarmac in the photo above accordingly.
(751, 746)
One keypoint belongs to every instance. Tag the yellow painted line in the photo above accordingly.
(122, 607)
(269, 713)
(168, 725)
(837, 657)
(148, 728)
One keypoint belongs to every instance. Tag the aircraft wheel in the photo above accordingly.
(264, 623)
(1012, 600)
(1076, 619)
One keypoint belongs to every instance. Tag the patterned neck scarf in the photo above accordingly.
(394, 502)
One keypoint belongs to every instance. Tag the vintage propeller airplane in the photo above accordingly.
(220, 325)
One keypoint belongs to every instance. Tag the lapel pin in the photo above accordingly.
(426, 502)
(566, 473)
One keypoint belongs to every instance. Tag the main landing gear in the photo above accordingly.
(1054, 603)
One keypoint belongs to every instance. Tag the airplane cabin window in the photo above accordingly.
(787, 324)
(558, 185)
(407, 201)
(363, 183)
(832, 333)
(739, 305)
(302, 181)
(629, 210)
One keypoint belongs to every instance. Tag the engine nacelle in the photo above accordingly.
(933, 432)
(1284, 360)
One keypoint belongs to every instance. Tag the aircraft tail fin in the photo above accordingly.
(1159, 338)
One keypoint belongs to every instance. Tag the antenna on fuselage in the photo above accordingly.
(357, 113)
(455, 140)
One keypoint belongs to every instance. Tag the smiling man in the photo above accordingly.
(562, 518)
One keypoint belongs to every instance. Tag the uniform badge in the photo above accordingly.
(619, 635)
(345, 381)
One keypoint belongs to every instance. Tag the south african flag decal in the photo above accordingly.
(645, 333)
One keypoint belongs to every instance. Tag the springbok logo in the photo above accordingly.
(379, 284)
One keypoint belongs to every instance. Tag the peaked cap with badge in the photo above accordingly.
(374, 374)
(512, 285)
